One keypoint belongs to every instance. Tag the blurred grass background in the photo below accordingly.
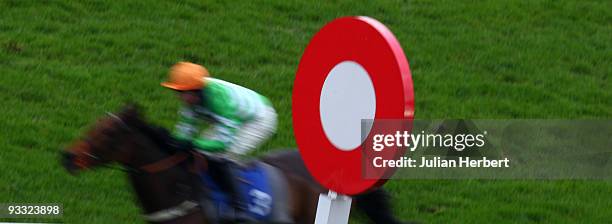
(64, 63)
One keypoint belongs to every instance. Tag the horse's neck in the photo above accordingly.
(161, 190)
(158, 191)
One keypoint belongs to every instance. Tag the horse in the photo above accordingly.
(167, 182)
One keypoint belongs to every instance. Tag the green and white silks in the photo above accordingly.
(240, 118)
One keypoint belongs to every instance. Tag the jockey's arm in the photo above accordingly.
(186, 127)
(216, 139)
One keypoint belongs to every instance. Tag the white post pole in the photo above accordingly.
(333, 209)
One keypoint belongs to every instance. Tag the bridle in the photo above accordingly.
(186, 207)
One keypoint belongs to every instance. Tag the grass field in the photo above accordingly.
(64, 63)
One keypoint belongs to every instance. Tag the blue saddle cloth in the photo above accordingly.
(254, 187)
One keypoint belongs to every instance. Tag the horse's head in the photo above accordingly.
(128, 139)
(111, 139)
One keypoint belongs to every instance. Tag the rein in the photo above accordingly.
(154, 167)
(151, 168)
(164, 164)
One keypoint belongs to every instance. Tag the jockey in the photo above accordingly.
(240, 120)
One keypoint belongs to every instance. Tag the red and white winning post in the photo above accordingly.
(354, 68)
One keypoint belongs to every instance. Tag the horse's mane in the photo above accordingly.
(159, 135)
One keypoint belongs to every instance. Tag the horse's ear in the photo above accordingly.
(131, 110)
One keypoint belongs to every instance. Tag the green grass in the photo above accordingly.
(64, 63)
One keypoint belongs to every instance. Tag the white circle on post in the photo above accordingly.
(347, 97)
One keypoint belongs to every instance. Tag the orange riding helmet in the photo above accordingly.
(186, 76)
